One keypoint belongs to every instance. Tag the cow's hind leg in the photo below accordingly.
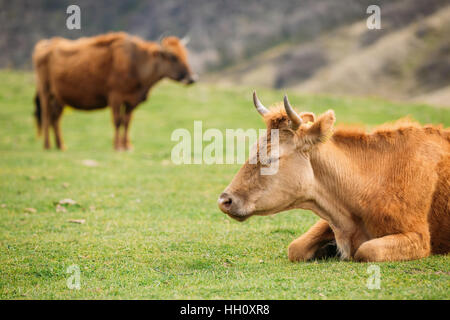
(395, 247)
(45, 118)
(55, 117)
(318, 242)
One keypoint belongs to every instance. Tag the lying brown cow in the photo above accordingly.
(383, 196)
(114, 69)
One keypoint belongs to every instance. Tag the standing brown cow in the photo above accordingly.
(383, 196)
(114, 69)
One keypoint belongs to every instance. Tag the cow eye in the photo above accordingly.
(269, 161)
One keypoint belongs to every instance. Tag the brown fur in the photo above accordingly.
(114, 69)
(382, 196)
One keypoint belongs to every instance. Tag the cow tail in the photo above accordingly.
(38, 113)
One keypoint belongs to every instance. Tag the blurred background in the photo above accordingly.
(306, 45)
(140, 226)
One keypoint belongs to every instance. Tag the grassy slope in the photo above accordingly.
(155, 231)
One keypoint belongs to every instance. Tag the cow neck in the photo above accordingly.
(152, 75)
(336, 184)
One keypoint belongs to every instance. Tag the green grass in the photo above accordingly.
(153, 229)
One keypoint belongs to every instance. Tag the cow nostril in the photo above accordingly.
(193, 78)
(225, 202)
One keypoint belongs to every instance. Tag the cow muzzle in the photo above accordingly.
(225, 202)
(230, 205)
(190, 79)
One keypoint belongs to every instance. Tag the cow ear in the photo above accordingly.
(322, 129)
(307, 117)
(169, 41)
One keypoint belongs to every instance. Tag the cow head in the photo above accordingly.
(174, 54)
(253, 193)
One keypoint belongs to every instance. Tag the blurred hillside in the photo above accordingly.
(408, 59)
(311, 45)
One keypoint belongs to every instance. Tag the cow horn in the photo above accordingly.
(296, 121)
(161, 36)
(259, 106)
(185, 40)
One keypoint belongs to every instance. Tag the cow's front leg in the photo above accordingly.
(55, 122)
(348, 239)
(117, 120)
(126, 118)
(311, 244)
(395, 247)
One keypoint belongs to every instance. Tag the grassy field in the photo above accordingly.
(152, 229)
